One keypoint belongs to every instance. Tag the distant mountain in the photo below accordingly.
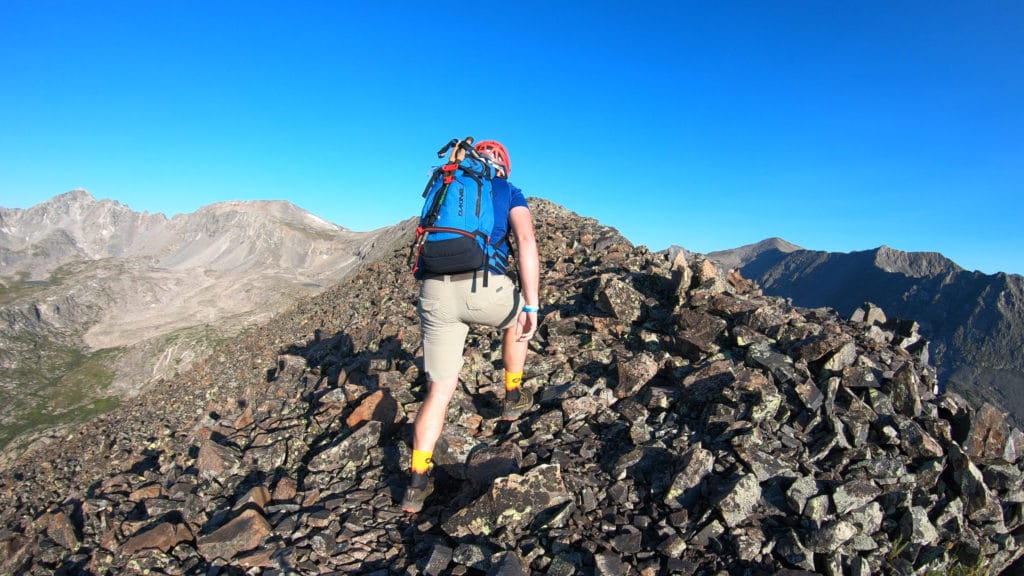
(737, 257)
(226, 236)
(92, 287)
(974, 321)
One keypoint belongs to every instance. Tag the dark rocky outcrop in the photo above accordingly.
(685, 424)
(974, 321)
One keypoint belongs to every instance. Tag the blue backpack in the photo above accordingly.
(457, 220)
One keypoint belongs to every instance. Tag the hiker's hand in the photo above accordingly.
(526, 325)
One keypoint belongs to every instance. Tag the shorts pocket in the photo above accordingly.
(488, 300)
(494, 307)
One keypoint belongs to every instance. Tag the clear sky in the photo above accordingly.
(835, 125)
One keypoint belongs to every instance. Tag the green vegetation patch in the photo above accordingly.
(55, 386)
(12, 289)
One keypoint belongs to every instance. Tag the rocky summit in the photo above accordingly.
(685, 424)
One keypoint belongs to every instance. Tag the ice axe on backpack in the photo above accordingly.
(456, 150)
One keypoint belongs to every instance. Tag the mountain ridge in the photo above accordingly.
(84, 227)
(974, 321)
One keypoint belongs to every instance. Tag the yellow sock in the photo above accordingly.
(421, 461)
(513, 380)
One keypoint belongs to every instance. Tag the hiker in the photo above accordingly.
(449, 303)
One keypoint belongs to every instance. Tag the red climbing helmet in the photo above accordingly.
(495, 151)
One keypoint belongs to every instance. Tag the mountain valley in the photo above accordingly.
(90, 286)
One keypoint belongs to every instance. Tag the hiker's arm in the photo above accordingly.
(529, 261)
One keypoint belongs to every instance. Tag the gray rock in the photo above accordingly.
(803, 489)
(620, 300)
(697, 464)
(906, 391)
(609, 564)
(507, 564)
(741, 501)
(635, 373)
(917, 528)
(700, 333)
(514, 502)
(918, 443)
(833, 535)
(440, 558)
(475, 556)
(854, 494)
(350, 452)
(487, 464)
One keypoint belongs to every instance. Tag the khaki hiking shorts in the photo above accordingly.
(449, 304)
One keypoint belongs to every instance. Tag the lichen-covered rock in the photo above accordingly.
(163, 537)
(741, 501)
(512, 503)
(241, 534)
(635, 373)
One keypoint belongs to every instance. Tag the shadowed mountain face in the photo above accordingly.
(97, 301)
(974, 321)
(685, 423)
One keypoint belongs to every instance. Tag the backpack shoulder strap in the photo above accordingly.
(501, 186)
(502, 196)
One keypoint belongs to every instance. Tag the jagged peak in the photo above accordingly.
(75, 195)
(76, 201)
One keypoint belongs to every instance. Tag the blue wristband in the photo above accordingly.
(530, 309)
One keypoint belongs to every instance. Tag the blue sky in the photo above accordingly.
(837, 126)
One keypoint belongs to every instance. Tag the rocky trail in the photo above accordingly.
(685, 424)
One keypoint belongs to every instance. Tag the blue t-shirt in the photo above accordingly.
(503, 204)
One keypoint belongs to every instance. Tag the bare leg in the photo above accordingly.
(513, 352)
(432, 414)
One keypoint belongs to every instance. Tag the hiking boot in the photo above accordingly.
(416, 492)
(513, 410)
